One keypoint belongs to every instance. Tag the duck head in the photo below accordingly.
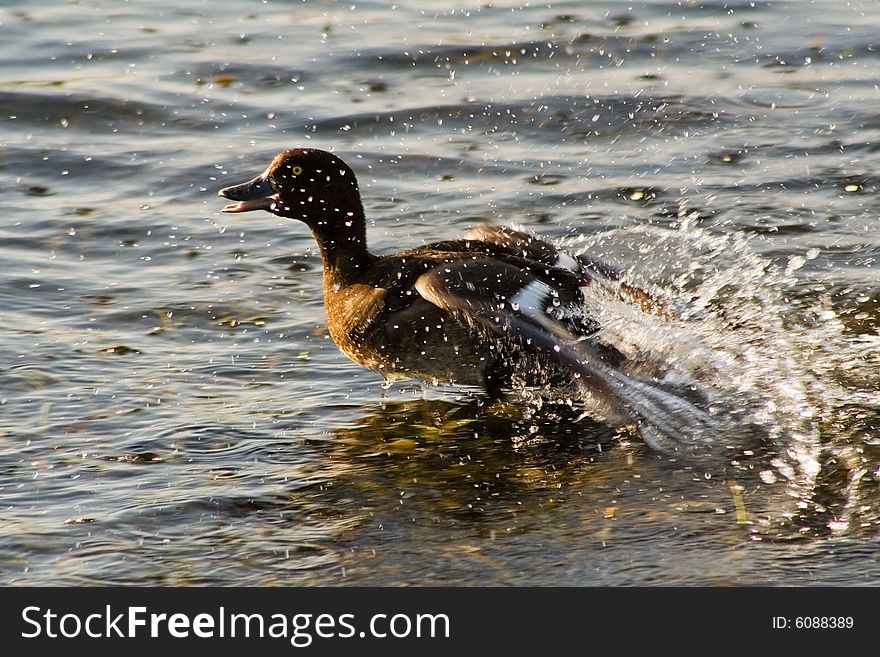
(301, 183)
(312, 186)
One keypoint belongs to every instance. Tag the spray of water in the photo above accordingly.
(731, 339)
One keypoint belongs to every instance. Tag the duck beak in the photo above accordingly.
(256, 194)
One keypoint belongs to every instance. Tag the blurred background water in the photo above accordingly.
(172, 410)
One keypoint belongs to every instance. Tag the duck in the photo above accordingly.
(498, 308)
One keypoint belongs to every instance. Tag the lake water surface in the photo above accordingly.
(172, 410)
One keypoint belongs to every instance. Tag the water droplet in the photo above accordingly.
(768, 476)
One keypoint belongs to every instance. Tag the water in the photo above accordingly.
(172, 410)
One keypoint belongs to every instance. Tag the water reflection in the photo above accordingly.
(456, 487)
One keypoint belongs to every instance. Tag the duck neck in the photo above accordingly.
(343, 246)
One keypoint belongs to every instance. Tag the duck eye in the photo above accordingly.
(296, 170)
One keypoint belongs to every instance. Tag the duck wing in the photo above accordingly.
(534, 248)
(513, 304)
(594, 272)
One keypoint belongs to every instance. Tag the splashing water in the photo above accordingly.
(733, 340)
